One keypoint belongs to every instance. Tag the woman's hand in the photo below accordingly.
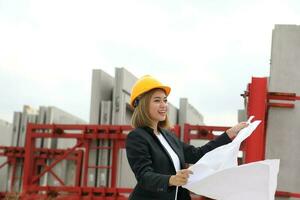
(233, 131)
(180, 178)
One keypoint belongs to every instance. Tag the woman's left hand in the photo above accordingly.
(233, 131)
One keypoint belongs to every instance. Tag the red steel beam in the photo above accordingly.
(202, 132)
(86, 162)
(287, 194)
(257, 106)
(281, 105)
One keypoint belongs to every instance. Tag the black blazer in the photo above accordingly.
(153, 166)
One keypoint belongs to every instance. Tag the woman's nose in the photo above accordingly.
(163, 103)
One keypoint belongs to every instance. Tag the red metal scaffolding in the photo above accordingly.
(259, 100)
(36, 165)
(36, 160)
(84, 135)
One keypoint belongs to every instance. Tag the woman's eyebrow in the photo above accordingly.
(160, 97)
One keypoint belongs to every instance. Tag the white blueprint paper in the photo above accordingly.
(217, 175)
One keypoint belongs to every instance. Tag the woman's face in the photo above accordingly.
(158, 106)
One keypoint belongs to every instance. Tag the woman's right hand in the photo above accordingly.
(180, 178)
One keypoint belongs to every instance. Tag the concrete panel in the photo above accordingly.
(102, 89)
(41, 119)
(29, 116)
(6, 136)
(64, 169)
(106, 107)
(124, 81)
(283, 124)
(285, 59)
(14, 142)
(16, 128)
(104, 155)
(188, 114)
(121, 115)
(100, 157)
(58, 116)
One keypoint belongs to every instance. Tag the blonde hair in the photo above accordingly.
(141, 115)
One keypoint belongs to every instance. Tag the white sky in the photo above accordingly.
(206, 51)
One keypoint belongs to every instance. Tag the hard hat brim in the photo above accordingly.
(165, 88)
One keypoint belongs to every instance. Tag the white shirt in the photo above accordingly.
(171, 152)
(173, 155)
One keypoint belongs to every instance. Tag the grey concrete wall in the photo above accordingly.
(64, 169)
(102, 89)
(6, 136)
(103, 157)
(188, 114)
(283, 138)
(124, 80)
(29, 115)
(41, 119)
(16, 128)
(15, 141)
(59, 116)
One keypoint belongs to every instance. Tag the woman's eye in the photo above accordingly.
(166, 100)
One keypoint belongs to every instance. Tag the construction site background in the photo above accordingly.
(105, 165)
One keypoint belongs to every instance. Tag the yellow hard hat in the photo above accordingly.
(145, 84)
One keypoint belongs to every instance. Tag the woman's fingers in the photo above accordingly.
(185, 171)
(233, 131)
(180, 178)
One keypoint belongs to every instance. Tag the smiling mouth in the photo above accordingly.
(162, 112)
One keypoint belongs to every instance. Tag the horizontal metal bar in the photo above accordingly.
(281, 105)
(80, 136)
(287, 194)
(199, 136)
(99, 167)
(34, 188)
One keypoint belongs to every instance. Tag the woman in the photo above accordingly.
(156, 156)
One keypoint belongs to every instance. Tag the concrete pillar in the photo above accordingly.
(188, 114)
(102, 89)
(283, 138)
(122, 113)
(6, 137)
(104, 154)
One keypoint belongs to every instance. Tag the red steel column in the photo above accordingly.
(28, 159)
(257, 106)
